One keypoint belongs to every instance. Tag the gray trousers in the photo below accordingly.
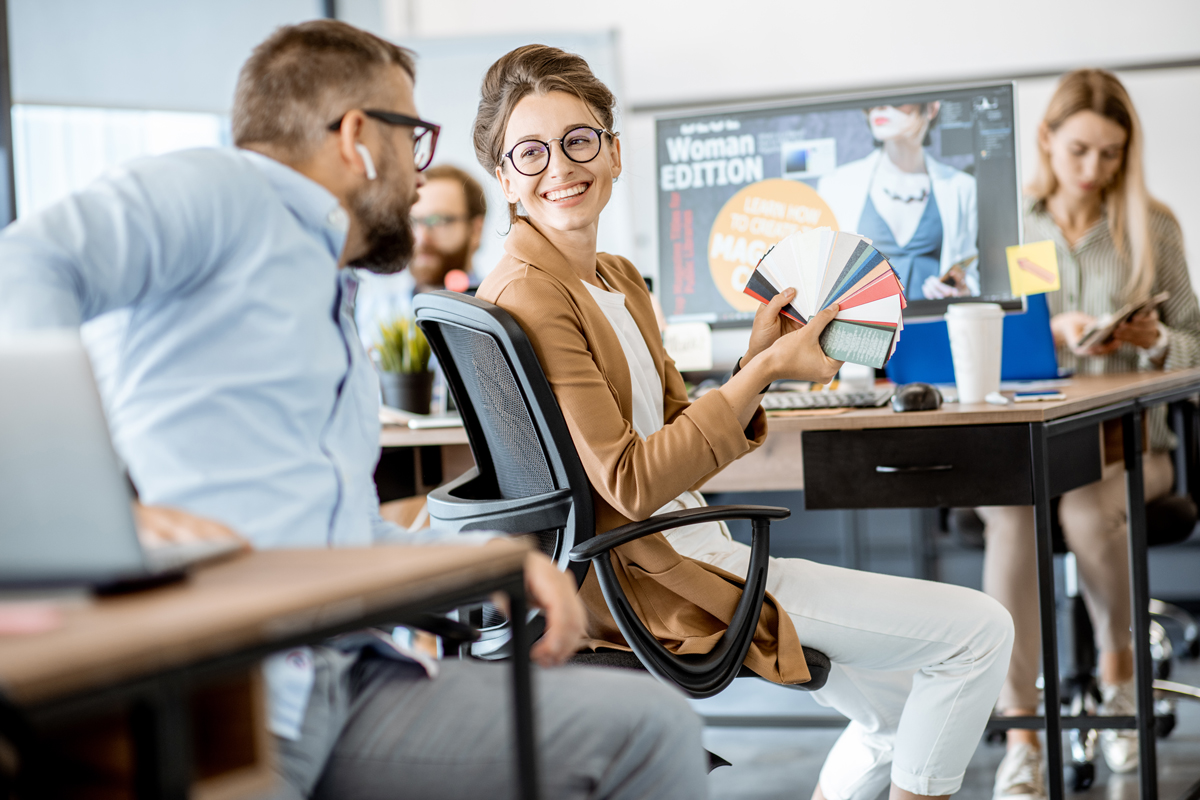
(376, 728)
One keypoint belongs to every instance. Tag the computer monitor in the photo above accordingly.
(929, 175)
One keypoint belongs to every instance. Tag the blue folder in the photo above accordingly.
(1028, 354)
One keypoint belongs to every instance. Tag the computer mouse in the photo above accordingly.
(916, 397)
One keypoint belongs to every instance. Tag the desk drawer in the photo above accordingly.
(950, 466)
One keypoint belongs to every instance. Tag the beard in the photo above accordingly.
(435, 275)
(383, 213)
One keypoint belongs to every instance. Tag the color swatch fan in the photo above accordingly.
(826, 267)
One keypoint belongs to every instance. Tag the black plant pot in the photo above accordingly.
(407, 391)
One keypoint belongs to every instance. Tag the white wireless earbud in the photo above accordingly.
(368, 162)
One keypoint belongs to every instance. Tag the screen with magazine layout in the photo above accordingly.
(929, 176)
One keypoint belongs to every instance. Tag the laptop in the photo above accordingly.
(65, 504)
(1027, 355)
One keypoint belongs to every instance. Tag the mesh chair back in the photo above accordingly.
(518, 459)
(527, 477)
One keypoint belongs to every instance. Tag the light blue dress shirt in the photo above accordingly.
(224, 338)
(234, 380)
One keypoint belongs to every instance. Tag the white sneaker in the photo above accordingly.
(1120, 747)
(1020, 776)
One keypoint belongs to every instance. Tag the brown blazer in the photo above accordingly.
(685, 603)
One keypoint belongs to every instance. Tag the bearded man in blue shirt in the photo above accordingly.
(241, 400)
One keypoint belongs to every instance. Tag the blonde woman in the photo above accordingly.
(1115, 243)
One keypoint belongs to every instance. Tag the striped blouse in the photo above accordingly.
(1093, 275)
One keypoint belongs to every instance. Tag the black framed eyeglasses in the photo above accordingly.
(425, 134)
(581, 145)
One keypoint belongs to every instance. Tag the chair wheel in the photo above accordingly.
(1081, 776)
(1163, 725)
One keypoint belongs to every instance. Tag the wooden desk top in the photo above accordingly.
(401, 436)
(249, 600)
(1084, 393)
(776, 465)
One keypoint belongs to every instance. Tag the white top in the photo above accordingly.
(643, 377)
(696, 540)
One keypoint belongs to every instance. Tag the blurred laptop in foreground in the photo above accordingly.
(66, 508)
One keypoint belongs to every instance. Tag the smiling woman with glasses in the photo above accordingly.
(424, 136)
(645, 446)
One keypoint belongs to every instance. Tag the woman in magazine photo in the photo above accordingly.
(923, 214)
(917, 665)
(1115, 244)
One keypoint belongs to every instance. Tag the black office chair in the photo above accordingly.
(1169, 520)
(528, 480)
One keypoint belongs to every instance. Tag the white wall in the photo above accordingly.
(181, 55)
(699, 50)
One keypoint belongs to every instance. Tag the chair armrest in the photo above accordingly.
(604, 542)
(699, 675)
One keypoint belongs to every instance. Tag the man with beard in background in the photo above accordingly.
(240, 400)
(447, 224)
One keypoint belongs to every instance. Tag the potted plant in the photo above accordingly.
(404, 375)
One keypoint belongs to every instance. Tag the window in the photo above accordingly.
(60, 149)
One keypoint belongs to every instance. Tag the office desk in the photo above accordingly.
(972, 455)
(980, 454)
(146, 651)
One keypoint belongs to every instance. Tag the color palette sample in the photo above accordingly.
(826, 267)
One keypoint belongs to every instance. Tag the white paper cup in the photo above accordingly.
(976, 337)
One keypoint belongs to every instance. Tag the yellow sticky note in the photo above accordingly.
(1033, 268)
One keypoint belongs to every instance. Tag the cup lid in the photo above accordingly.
(974, 310)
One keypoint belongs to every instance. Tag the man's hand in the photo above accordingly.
(1141, 331)
(158, 525)
(557, 595)
(769, 324)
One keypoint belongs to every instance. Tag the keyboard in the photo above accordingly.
(788, 401)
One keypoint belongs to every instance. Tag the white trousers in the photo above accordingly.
(917, 665)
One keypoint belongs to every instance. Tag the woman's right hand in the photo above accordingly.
(798, 355)
(769, 325)
(1068, 328)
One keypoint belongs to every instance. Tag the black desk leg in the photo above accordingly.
(1139, 575)
(24, 760)
(160, 725)
(1039, 463)
(527, 771)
